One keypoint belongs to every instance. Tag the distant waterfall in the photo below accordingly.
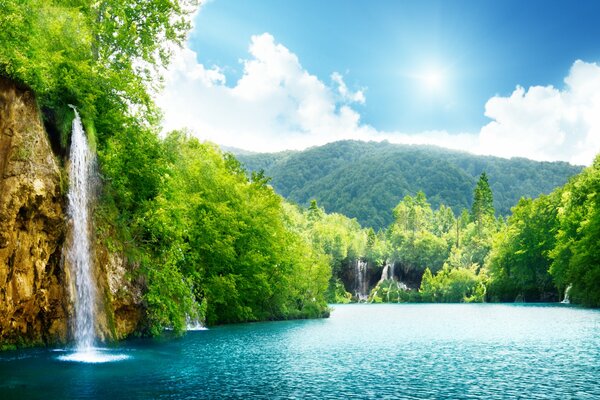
(362, 282)
(194, 324)
(387, 273)
(79, 252)
(566, 300)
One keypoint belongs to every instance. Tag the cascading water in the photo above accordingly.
(78, 254)
(566, 300)
(362, 283)
(387, 273)
(81, 171)
(193, 324)
(388, 280)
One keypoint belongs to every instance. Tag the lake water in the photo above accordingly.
(413, 351)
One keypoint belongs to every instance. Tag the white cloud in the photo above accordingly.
(277, 105)
(544, 123)
(345, 93)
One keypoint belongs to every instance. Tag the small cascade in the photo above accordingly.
(79, 252)
(362, 282)
(566, 300)
(194, 325)
(388, 281)
(384, 273)
(388, 272)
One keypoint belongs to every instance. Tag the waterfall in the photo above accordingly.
(566, 299)
(79, 252)
(194, 324)
(384, 273)
(387, 273)
(362, 283)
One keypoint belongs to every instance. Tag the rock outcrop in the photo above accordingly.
(120, 302)
(34, 304)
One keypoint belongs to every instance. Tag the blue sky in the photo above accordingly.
(409, 70)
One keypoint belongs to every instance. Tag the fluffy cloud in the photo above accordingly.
(277, 105)
(544, 123)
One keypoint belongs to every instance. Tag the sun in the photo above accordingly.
(432, 79)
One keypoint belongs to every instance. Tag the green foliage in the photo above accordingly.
(391, 291)
(413, 243)
(102, 56)
(231, 239)
(576, 256)
(452, 285)
(483, 200)
(366, 180)
(337, 293)
(519, 262)
(551, 243)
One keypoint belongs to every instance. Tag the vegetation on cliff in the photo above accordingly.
(204, 240)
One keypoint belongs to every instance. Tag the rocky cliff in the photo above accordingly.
(36, 288)
(34, 306)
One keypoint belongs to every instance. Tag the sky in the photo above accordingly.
(506, 78)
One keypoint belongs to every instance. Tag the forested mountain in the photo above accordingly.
(365, 180)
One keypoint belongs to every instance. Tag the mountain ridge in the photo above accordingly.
(365, 180)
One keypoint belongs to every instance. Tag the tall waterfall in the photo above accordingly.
(79, 254)
(362, 282)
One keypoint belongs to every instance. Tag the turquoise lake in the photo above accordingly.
(412, 351)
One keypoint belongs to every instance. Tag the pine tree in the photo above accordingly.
(483, 200)
(314, 212)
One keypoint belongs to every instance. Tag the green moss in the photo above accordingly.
(110, 315)
(90, 130)
(23, 153)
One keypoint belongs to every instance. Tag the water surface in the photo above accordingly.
(413, 351)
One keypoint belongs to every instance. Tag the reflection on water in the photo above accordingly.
(480, 351)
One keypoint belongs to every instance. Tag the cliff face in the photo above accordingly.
(36, 289)
(34, 306)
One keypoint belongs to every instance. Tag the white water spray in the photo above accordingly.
(194, 324)
(79, 252)
(566, 300)
(387, 273)
(362, 283)
(81, 172)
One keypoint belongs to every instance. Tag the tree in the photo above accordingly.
(577, 252)
(520, 257)
(483, 200)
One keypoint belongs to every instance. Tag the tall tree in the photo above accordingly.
(483, 200)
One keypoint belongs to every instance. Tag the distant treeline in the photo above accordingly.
(364, 180)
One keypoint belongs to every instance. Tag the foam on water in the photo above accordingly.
(196, 327)
(93, 356)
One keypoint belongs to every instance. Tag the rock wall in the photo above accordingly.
(120, 299)
(36, 290)
(34, 305)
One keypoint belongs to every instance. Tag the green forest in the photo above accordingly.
(211, 240)
(364, 180)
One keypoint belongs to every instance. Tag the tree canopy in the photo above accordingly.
(365, 180)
